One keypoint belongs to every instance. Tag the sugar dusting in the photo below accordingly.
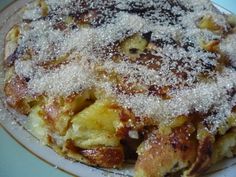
(74, 77)
(177, 62)
(228, 46)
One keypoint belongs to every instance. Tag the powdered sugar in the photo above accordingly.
(199, 99)
(62, 81)
(228, 46)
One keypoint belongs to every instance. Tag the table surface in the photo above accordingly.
(15, 161)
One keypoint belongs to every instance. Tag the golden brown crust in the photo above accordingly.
(55, 118)
(16, 92)
(108, 157)
(11, 42)
(203, 158)
(165, 154)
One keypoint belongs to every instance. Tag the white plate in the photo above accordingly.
(14, 123)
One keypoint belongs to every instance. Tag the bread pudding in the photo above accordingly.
(106, 81)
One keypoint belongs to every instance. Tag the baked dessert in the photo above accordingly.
(103, 81)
